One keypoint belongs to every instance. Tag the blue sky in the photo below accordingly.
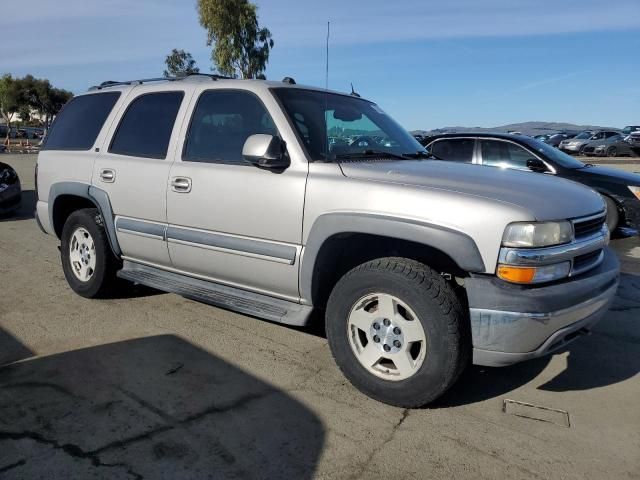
(428, 63)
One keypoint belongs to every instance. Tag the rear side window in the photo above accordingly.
(145, 128)
(454, 149)
(78, 124)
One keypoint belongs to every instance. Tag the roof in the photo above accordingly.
(199, 78)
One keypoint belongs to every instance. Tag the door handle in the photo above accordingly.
(181, 184)
(108, 175)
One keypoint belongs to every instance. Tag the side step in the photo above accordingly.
(231, 298)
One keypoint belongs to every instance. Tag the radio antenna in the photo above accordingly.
(326, 98)
(326, 72)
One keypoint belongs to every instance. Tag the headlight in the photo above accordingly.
(532, 235)
(635, 191)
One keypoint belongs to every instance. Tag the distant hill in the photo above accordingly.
(528, 128)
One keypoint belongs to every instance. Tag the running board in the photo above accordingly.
(231, 298)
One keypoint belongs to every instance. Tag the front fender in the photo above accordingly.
(459, 246)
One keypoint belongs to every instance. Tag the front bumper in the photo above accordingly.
(570, 148)
(511, 323)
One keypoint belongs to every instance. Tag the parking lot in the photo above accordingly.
(152, 385)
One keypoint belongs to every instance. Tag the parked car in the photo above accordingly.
(555, 139)
(576, 144)
(542, 138)
(237, 199)
(634, 141)
(620, 189)
(616, 146)
(10, 189)
(629, 129)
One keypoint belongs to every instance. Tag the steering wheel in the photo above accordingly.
(363, 141)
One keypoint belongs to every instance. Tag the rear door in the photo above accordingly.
(133, 168)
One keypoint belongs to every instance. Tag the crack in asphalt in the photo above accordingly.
(93, 456)
(70, 449)
(6, 468)
(362, 472)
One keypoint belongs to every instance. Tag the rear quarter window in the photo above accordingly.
(78, 124)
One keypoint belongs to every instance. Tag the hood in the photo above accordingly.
(545, 196)
(613, 174)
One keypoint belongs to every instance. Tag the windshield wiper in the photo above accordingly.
(369, 153)
(425, 155)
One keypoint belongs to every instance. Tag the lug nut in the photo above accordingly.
(376, 338)
(386, 347)
(396, 331)
(397, 344)
(376, 326)
(386, 322)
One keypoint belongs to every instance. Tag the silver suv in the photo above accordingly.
(275, 200)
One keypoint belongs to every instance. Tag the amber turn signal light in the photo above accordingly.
(516, 274)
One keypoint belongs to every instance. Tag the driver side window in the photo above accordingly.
(221, 123)
(504, 154)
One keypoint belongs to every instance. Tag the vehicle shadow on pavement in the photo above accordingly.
(154, 407)
(609, 355)
(11, 349)
(26, 210)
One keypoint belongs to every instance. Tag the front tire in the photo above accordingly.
(613, 217)
(397, 331)
(612, 152)
(88, 263)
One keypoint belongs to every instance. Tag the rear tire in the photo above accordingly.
(432, 348)
(88, 263)
(613, 216)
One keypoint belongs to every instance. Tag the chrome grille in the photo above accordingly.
(588, 226)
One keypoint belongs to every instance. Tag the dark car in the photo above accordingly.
(555, 139)
(10, 190)
(616, 146)
(630, 129)
(620, 189)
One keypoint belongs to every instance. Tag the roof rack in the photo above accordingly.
(112, 83)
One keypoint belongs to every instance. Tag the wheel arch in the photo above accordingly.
(67, 197)
(338, 242)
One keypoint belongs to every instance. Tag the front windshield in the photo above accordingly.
(333, 126)
(584, 135)
(555, 155)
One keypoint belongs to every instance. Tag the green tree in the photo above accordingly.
(39, 95)
(240, 47)
(9, 100)
(179, 64)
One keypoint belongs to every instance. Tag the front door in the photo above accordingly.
(230, 221)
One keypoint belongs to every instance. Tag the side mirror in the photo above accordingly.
(265, 151)
(536, 165)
